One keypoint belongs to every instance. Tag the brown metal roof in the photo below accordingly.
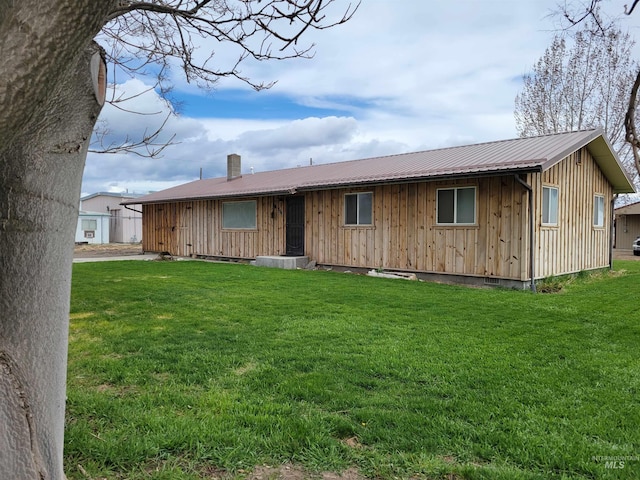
(631, 209)
(516, 155)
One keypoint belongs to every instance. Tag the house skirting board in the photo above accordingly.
(447, 278)
(303, 262)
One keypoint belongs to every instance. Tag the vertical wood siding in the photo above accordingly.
(574, 244)
(404, 234)
(195, 228)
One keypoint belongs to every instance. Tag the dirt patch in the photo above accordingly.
(107, 250)
(293, 472)
(282, 472)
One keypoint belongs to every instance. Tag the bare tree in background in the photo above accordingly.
(580, 82)
(52, 86)
(590, 12)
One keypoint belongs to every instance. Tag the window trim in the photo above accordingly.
(455, 205)
(557, 212)
(596, 197)
(255, 217)
(357, 195)
(89, 224)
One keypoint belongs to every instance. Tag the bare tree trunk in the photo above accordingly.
(43, 145)
(51, 91)
(39, 194)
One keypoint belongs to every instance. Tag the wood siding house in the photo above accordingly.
(503, 213)
(627, 225)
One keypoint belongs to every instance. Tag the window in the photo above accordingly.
(456, 206)
(239, 215)
(358, 209)
(89, 224)
(549, 206)
(598, 211)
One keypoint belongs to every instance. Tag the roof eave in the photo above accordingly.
(604, 155)
(214, 196)
(430, 178)
(371, 182)
(343, 184)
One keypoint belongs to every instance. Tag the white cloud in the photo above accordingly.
(305, 133)
(402, 76)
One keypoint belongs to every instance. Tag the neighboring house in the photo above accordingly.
(499, 213)
(627, 225)
(125, 224)
(93, 227)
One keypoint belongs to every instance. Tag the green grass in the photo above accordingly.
(180, 369)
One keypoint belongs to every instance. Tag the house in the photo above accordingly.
(92, 227)
(125, 224)
(627, 222)
(501, 213)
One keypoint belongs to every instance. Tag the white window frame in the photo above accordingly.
(90, 224)
(548, 213)
(598, 210)
(359, 213)
(231, 223)
(455, 205)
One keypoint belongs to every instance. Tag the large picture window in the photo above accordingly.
(241, 215)
(598, 211)
(358, 208)
(456, 206)
(549, 206)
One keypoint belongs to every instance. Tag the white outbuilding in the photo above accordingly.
(93, 227)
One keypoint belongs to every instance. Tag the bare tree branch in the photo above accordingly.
(592, 12)
(151, 37)
(147, 146)
(167, 30)
(629, 121)
(630, 10)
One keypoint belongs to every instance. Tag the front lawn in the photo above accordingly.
(193, 370)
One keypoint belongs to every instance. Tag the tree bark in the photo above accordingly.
(39, 194)
(50, 106)
(51, 91)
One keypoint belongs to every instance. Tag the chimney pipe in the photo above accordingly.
(233, 166)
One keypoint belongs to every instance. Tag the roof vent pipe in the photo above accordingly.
(233, 166)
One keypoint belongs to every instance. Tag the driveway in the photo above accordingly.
(110, 251)
(624, 254)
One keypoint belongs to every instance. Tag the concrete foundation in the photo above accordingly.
(287, 263)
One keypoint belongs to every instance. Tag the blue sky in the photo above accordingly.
(392, 80)
(236, 103)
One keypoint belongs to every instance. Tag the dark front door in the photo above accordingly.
(295, 226)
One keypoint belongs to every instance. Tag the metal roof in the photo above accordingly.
(501, 157)
(87, 213)
(111, 194)
(631, 209)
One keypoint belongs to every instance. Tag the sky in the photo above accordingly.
(427, 75)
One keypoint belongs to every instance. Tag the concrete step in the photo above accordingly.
(287, 263)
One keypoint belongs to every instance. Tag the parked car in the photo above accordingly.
(636, 246)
